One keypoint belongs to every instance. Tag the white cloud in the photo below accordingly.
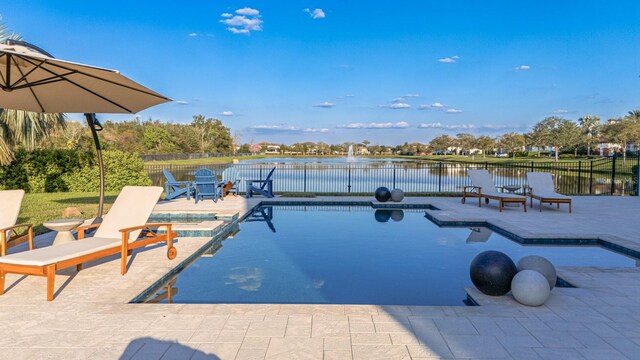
(522, 67)
(457, 127)
(316, 130)
(247, 11)
(193, 34)
(449, 60)
(453, 111)
(182, 102)
(246, 21)
(325, 104)
(438, 125)
(226, 113)
(560, 111)
(435, 105)
(388, 125)
(397, 105)
(315, 13)
(286, 129)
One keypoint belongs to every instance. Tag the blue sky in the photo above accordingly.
(388, 72)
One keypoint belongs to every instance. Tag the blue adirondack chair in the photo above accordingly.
(207, 185)
(230, 175)
(265, 188)
(174, 189)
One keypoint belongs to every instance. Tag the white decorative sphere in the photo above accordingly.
(541, 265)
(397, 195)
(530, 288)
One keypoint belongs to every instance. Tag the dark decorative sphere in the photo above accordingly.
(382, 215)
(492, 272)
(383, 194)
(397, 215)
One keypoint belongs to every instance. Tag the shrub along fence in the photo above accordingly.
(610, 176)
(70, 170)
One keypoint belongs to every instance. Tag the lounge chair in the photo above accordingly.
(175, 189)
(265, 188)
(10, 202)
(207, 185)
(118, 233)
(231, 181)
(484, 188)
(541, 187)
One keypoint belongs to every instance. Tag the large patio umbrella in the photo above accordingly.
(32, 80)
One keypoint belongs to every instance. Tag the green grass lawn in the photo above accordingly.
(39, 207)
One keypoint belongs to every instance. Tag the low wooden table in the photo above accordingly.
(511, 189)
(63, 227)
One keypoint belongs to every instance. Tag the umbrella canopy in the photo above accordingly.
(33, 81)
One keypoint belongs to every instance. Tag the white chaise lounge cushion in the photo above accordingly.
(10, 203)
(542, 186)
(53, 254)
(132, 208)
(482, 179)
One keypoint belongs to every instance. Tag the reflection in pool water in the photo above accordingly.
(342, 255)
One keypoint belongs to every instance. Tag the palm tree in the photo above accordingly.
(590, 125)
(23, 128)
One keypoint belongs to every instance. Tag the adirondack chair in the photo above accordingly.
(175, 189)
(231, 181)
(207, 185)
(265, 188)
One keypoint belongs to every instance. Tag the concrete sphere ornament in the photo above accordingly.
(491, 272)
(397, 215)
(397, 195)
(383, 194)
(530, 288)
(541, 265)
(382, 215)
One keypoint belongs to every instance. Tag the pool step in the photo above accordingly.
(200, 229)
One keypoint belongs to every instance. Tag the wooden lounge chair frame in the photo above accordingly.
(476, 191)
(7, 241)
(49, 270)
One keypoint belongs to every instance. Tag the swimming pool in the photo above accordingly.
(353, 255)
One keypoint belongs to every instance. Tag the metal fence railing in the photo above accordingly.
(613, 176)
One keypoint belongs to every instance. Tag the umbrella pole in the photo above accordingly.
(92, 121)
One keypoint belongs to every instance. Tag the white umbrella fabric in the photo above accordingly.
(32, 80)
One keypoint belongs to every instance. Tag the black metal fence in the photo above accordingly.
(610, 176)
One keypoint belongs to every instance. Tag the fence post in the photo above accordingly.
(532, 166)
(486, 165)
(349, 180)
(613, 174)
(579, 177)
(440, 176)
(638, 174)
(394, 176)
(305, 178)
(591, 177)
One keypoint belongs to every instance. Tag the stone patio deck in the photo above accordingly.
(92, 319)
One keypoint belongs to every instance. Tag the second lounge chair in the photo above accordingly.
(541, 187)
(118, 233)
(484, 188)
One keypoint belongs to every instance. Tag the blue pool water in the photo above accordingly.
(345, 255)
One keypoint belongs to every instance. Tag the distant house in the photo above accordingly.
(363, 151)
(272, 149)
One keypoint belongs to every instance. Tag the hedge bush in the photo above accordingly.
(68, 170)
